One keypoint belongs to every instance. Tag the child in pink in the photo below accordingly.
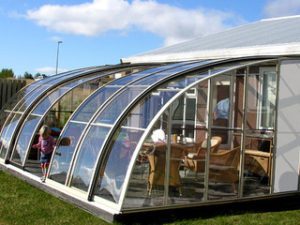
(45, 146)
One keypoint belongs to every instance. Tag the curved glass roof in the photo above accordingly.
(7, 116)
(103, 127)
(134, 126)
(84, 114)
(112, 110)
(35, 117)
(26, 102)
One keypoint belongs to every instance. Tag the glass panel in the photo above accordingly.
(8, 132)
(24, 103)
(223, 166)
(112, 111)
(53, 97)
(20, 149)
(238, 99)
(221, 97)
(87, 157)
(64, 152)
(17, 100)
(126, 80)
(258, 163)
(188, 146)
(186, 181)
(45, 104)
(147, 108)
(85, 112)
(58, 116)
(225, 141)
(51, 119)
(112, 174)
(259, 130)
(268, 99)
(141, 115)
(25, 93)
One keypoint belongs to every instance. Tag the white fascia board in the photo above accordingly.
(265, 50)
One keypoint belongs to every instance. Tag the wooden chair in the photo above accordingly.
(196, 161)
(157, 162)
(223, 166)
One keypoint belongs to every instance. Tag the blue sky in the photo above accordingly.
(97, 32)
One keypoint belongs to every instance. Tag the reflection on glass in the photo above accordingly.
(112, 173)
(17, 100)
(238, 99)
(223, 167)
(90, 106)
(25, 103)
(19, 152)
(259, 135)
(222, 99)
(64, 152)
(54, 96)
(223, 174)
(30, 126)
(9, 129)
(112, 111)
(53, 118)
(189, 144)
(187, 161)
(258, 163)
(87, 157)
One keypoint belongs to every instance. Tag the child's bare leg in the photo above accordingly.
(46, 169)
(43, 171)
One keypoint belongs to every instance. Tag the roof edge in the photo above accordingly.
(260, 50)
(280, 18)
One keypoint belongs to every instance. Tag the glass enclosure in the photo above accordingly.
(54, 110)
(141, 136)
(192, 152)
(14, 118)
(82, 117)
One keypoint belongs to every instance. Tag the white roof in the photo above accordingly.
(269, 37)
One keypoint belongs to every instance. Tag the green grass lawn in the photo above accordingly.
(20, 203)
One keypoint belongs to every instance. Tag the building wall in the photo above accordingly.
(288, 136)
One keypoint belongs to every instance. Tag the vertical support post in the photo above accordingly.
(207, 156)
(168, 156)
(274, 147)
(242, 151)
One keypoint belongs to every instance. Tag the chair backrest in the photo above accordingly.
(226, 157)
(214, 143)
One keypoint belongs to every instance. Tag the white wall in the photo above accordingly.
(288, 137)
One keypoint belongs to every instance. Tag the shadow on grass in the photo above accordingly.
(205, 212)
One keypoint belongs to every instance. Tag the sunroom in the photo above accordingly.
(163, 134)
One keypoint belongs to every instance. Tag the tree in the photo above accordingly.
(6, 73)
(28, 75)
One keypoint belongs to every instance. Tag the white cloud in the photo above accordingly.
(276, 8)
(99, 16)
(50, 70)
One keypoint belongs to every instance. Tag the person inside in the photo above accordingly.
(221, 116)
(45, 145)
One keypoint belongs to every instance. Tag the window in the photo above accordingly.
(268, 97)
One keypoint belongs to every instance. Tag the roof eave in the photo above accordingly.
(265, 50)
